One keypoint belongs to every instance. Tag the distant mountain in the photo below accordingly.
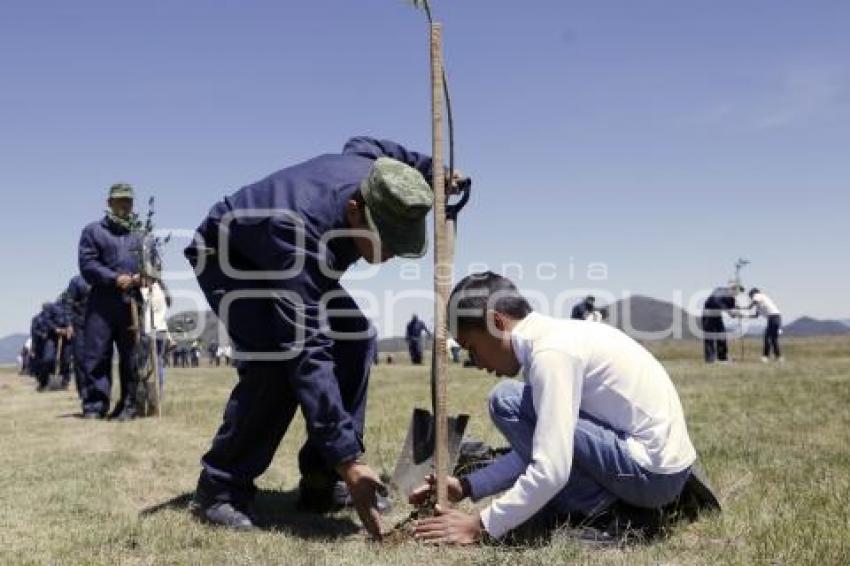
(807, 326)
(10, 347)
(645, 318)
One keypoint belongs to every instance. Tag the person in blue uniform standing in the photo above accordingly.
(269, 258)
(413, 336)
(76, 298)
(584, 309)
(109, 262)
(38, 333)
(715, 347)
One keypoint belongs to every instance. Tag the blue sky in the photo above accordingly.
(661, 138)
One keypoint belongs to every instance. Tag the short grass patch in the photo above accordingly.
(773, 438)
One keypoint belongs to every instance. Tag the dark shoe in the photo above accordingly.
(317, 496)
(119, 408)
(128, 414)
(630, 523)
(223, 514)
(329, 498)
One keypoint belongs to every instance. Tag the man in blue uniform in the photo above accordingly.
(76, 298)
(109, 262)
(269, 258)
(53, 326)
(413, 336)
(584, 309)
(38, 333)
(714, 330)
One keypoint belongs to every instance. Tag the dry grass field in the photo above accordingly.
(773, 438)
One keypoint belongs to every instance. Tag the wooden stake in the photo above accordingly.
(442, 269)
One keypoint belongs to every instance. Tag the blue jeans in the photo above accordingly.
(603, 470)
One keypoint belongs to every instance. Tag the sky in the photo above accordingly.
(616, 146)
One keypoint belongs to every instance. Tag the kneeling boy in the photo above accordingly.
(596, 420)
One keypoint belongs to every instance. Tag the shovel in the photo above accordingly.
(424, 451)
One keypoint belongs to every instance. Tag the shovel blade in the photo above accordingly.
(416, 459)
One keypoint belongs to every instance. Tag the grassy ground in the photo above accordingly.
(774, 440)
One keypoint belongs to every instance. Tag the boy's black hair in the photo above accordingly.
(475, 294)
(753, 291)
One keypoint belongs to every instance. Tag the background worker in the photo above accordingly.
(585, 309)
(109, 262)
(764, 306)
(157, 300)
(76, 298)
(722, 299)
(413, 336)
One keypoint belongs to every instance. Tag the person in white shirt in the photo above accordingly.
(765, 307)
(156, 302)
(595, 423)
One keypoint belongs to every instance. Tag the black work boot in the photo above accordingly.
(222, 513)
(320, 493)
(129, 410)
(128, 413)
(316, 494)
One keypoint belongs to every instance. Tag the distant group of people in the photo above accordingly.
(110, 305)
(55, 344)
(113, 304)
(724, 299)
(218, 354)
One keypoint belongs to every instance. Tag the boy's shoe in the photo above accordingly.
(630, 522)
(780, 359)
(764, 359)
(222, 513)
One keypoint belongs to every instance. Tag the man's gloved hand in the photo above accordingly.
(364, 485)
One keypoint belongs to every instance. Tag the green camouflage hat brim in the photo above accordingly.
(398, 200)
(409, 242)
(121, 190)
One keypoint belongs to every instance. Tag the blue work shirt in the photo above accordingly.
(106, 251)
(56, 317)
(308, 201)
(76, 296)
(720, 299)
(38, 328)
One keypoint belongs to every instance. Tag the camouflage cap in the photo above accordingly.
(121, 190)
(397, 202)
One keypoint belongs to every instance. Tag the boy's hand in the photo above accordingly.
(454, 489)
(364, 484)
(450, 527)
